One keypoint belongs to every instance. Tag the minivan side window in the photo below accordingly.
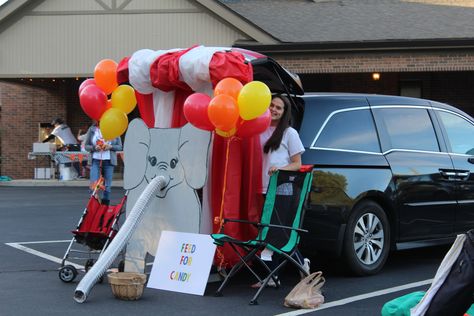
(460, 133)
(350, 130)
(408, 128)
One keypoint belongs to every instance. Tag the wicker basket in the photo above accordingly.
(127, 285)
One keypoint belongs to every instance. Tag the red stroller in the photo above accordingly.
(97, 227)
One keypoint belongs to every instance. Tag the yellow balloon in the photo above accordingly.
(123, 98)
(254, 99)
(113, 123)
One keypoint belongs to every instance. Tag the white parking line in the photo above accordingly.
(360, 297)
(19, 246)
(39, 242)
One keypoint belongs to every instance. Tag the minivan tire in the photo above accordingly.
(367, 239)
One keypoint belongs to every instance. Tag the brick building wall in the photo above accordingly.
(394, 61)
(454, 88)
(446, 76)
(23, 107)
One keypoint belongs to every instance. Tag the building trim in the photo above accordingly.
(113, 11)
(11, 7)
(364, 46)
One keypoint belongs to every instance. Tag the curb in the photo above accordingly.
(53, 183)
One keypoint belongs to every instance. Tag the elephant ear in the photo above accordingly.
(193, 152)
(137, 142)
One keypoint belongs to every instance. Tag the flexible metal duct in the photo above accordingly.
(119, 241)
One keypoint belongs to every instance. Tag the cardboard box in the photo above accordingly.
(43, 173)
(44, 147)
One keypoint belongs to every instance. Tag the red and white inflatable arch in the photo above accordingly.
(162, 81)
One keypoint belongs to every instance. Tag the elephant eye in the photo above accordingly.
(152, 160)
(173, 162)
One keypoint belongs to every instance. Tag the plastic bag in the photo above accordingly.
(307, 293)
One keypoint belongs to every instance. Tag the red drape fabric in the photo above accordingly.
(145, 108)
(241, 199)
(229, 64)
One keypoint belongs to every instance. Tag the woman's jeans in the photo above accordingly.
(107, 173)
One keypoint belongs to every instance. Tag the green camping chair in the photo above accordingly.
(279, 229)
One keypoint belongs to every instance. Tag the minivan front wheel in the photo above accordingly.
(367, 239)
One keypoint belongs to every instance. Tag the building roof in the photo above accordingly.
(324, 21)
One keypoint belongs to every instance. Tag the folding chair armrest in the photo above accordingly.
(263, 225)
(284, 227)
(232, 220)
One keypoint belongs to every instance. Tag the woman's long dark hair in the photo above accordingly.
(274, 141)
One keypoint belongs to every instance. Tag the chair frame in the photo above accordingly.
(251, 247)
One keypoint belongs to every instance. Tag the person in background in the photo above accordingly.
(81, 137)
(67, 139)
(282, 149)
(103, 158)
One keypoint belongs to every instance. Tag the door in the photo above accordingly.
(459, 131)
(423, 185)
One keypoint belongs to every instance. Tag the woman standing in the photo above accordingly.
(103, 158)
(282, 149)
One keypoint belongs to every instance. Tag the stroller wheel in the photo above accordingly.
(67, 273)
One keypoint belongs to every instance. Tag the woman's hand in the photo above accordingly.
(295, 165)
(272, 170)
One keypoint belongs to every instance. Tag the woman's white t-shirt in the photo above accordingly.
(290, 145)
(100, 155)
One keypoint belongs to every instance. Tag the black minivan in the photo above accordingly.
(388, 171)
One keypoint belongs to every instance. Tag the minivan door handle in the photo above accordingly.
(447, 173)
(470, 160)
(464, 174)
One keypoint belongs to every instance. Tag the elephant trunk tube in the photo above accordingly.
(119, 241)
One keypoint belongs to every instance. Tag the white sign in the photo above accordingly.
(182, 262)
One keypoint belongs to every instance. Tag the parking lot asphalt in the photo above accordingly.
(40, 218)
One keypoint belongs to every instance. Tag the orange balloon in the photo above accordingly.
(105, 75)
(223, 112)
(228, 86)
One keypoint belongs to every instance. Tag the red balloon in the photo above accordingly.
(86, 83)
(93, 101)
(223, 112)
(254, 127)
(195, 111)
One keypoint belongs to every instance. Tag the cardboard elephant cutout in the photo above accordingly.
(181, 156)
